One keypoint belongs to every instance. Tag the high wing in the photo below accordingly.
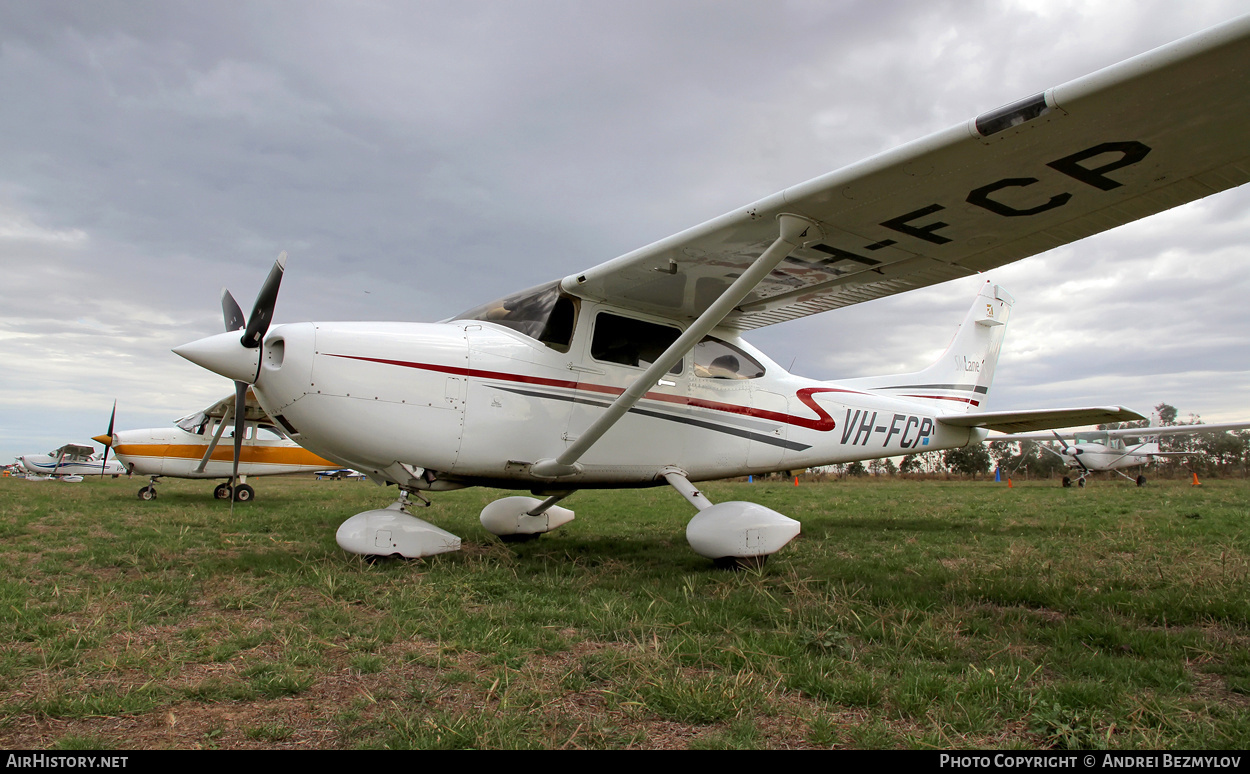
(74, 451)
(1039, 419)
(225, 408)
(1134, 139)
(1123, 432)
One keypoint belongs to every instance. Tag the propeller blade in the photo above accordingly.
(1074, 453)
(240, 417)
(262, 311)
(1062, 443)
(104, 463)
(231, 312)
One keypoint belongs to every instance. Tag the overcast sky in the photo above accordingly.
(420, 158)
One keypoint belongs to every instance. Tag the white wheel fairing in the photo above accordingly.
(509, 516)
(390, 531)
(739, 529)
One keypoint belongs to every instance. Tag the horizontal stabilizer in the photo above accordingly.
(1032, 420)
(1141, 432)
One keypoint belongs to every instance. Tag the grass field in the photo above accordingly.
(909, 614)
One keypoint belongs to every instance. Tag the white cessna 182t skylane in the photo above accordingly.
(633, 373)
(1096, 450)
(189, 449)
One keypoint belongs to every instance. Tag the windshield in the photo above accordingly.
(541, 313)
(193, 423)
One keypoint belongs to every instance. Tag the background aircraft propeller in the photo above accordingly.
(109, 435)
(1071, 451)
(254, 333)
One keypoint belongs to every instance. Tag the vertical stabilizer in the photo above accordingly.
(960, 380)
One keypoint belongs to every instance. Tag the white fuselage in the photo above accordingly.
(52, 465)
(441, 405)
(1097, 456)
(172, 451)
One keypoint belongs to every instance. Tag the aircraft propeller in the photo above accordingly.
(234, 358)
(1071, 451)
(109, 436)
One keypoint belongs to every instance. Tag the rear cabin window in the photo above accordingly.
(541, 313)
(716, 359)
(631, 342)
(268, 433)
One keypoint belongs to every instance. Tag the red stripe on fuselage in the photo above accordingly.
(823, 422)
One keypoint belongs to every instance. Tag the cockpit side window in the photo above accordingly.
(542, 313)
(716, 359)
(631, 342)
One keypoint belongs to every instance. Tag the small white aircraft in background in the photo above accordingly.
(341, 473)
(70, 463)
(1096, 450)
(188, 449)
(633, 373)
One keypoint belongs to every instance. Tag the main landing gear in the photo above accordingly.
(1140, 480)
(393, 531)
(242, 493)
(734, 535)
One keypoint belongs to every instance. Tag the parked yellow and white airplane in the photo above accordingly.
(1095, 450)
(633, 373)
(70, 463)
(189, 449)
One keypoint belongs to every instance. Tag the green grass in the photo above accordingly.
(909, 614)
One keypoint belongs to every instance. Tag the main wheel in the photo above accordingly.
(1141, 480)
(243, 493)
(1080, 482)
(1067, 481)
(147, 493)
(222, 492)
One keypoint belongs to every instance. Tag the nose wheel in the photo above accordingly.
(149, 492)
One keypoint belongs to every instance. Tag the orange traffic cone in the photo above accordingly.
(1008, 482)
(1196, 482)
(796, 480)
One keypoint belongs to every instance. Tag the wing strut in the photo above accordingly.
(796, 231)
(221, 428)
